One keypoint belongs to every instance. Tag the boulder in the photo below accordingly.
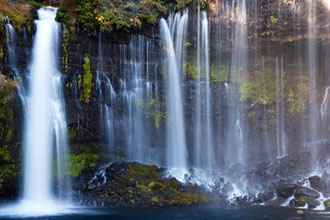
(312, 203)
(298, 202)
(265, 196)
(327, 204)
(286, 190)
(317, 183)
(304, 191)
(326, 194)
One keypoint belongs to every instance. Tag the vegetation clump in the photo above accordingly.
(88, 16)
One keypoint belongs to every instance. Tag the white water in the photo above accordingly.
(280, 119)
(234, 135)
(45, 125)
(203, 129)
(107, 98)
(11, 47)
(176, 139)
(324, 112)
(312, 73)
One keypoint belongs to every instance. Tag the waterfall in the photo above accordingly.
(45, 125)
(11, 40)
(312, 66)
(324, 111)
(107, 99)
(204, 152)
(280, 119)
(136, 67)
(173, 33)
(235, 141)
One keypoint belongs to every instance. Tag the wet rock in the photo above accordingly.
(327, 204)
(266, 195)
(286, 190)
(304, 191)
(135, 184)
(300, 212)
(317, 183)
(91, 186)
(312, 203)
(326, 194)
(298, 202)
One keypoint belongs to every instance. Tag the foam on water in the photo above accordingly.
(27, 208)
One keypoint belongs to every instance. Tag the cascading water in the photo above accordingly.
(314, 121)
(235, 152)
(176, 138)
(45, 125)
(280, 119)
(107, 99)
(137, 67)
(11, 40)
(45, 113)
(204, 154)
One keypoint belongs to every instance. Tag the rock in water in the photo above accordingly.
(298, 202)
(286, 190)
(304, 191)
(300, 212)
(317, 183)
(312, 203)
(327, 204)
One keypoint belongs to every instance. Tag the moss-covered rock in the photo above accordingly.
(78, 162)
(327, 204)
(86, 82)
(135, 184)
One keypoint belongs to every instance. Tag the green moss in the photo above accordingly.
(146, 183)
(181, 4)
(7, 95)
(8, 171)
(87, 80)
(65, 44)
(297, 98)
(273, 19)
(4, 154)
(154, 109)
(219, 73)
(259, 87)
(190, 69)
(327, 204)
(78, 162)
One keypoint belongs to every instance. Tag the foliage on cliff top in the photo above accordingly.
(88, 16)
(19, 12)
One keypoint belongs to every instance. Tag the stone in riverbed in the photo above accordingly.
(304, 191)
(312, 203)
(326, 194)
(298, 202)
(265, 196)
(303, 200)
(286, 190)
(317, 183)
(300, 212)
(327, 204)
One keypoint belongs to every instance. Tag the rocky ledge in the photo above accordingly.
(283, 182)
(135, 184)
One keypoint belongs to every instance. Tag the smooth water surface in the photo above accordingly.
(213, 212)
